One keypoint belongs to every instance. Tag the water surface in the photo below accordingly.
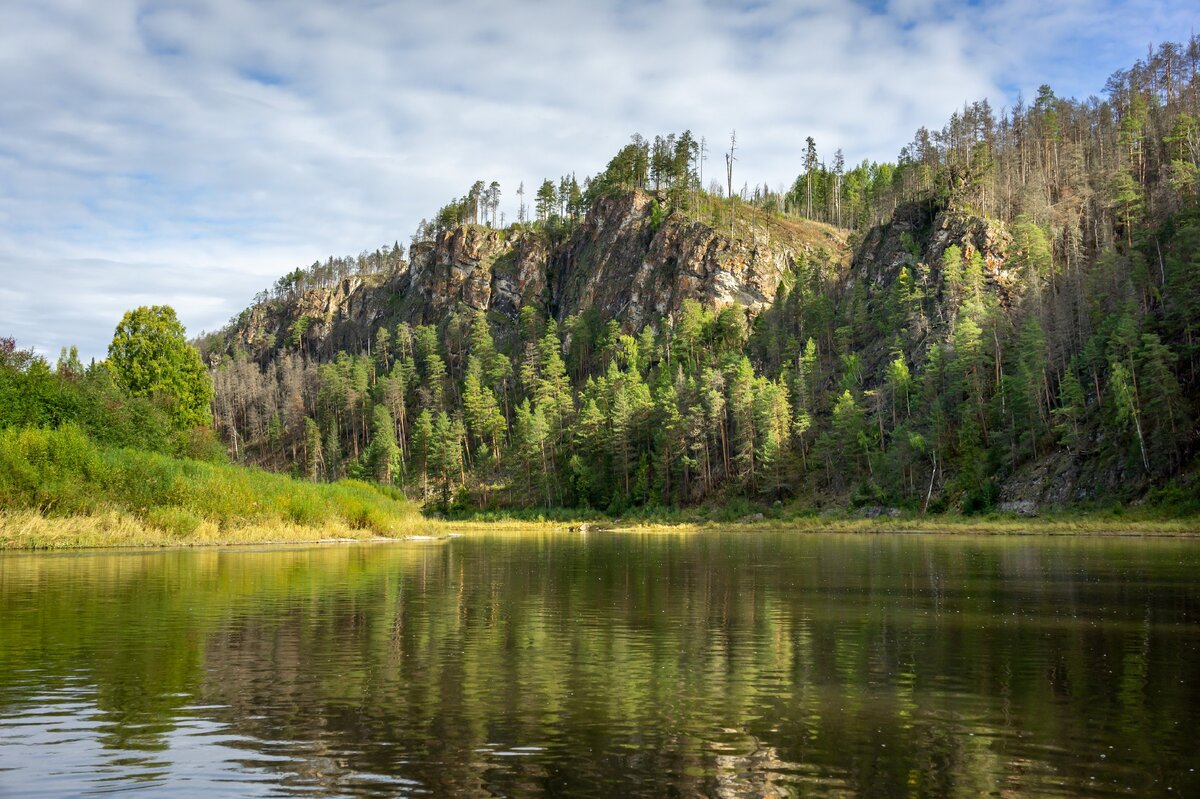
(606, 665)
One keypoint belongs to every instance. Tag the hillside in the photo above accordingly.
(1007, 318)
(617, 261)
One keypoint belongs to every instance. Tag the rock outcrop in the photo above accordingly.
(474, 266)
(625, 266)
(617, 260)
(623, 259)
(316, 321)
(918, 237)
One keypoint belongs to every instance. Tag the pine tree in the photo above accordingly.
(772, 420)
(529, 440)
(553, 387)
(952, 273)
(383, 454)
(481, 411)
(383, 350)
(545, 201)
(393, 394)
(849, 442)
(423, 447)
(1070, 411)
(668, 433)
(899, 385)
(332, 452)
(1161, 398)
(445, 455)
(740, 379)
(1126, 407)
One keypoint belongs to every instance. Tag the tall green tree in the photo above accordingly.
(383, 455)
(150, 357)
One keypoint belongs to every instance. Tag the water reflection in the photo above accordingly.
(656, 665)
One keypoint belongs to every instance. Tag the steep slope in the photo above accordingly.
(618, 262)
(618, 259)
(1058, 454)
(1017, 322)
(916, 240)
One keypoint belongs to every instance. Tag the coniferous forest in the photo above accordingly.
(1015, 314)
(1005, 317)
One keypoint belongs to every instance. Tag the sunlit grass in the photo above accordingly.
(1058, 524)
(59, 489)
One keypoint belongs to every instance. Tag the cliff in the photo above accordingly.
(618, 259)
(917, 238)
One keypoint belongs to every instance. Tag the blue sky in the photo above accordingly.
(188, 153)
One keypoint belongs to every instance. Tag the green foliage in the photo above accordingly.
(35, 396)
(657, 215)
(298, 329)
(150, 357)
(383, 455)
(1057, 317)
(62, 472)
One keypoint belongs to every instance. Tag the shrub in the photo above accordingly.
(305, 509)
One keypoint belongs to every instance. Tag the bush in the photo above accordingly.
(176, 521)
(305, 509)
(48, 470)
(203, 444)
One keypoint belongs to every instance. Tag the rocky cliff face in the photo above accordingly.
(918, 237)
(619, 260)
(478, 267)
(319, 321)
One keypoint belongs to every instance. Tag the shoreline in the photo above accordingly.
(27, 531)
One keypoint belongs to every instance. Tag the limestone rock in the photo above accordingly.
(1021, 507)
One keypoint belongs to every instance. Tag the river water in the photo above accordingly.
(605, 664)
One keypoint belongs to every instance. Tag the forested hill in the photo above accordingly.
(1007, 313)
(626, 256)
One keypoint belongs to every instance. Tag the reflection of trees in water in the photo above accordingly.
(715, 665)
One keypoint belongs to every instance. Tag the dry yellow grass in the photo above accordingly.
(1184, 527)
(111, 528)
(30, 530)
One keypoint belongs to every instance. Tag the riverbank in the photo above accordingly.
(30, 530)
(59, 489)
(1059, 524)
(1167, 512)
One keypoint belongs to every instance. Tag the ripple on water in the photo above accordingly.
(608, 665)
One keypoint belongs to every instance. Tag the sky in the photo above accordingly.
(188, 153)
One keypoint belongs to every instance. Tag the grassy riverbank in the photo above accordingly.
(30, 529)
(1058, 523)
(1172, 510)
(58, 488)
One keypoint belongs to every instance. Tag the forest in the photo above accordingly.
(1014, 320)
(928, 387)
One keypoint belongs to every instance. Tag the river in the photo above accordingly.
(606, 664)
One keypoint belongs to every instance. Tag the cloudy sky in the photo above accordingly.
(188, 153)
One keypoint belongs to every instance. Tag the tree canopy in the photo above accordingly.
(150, 357)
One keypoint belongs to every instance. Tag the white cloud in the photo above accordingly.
(188, 153)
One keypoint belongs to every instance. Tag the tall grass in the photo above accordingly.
(62, 473)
